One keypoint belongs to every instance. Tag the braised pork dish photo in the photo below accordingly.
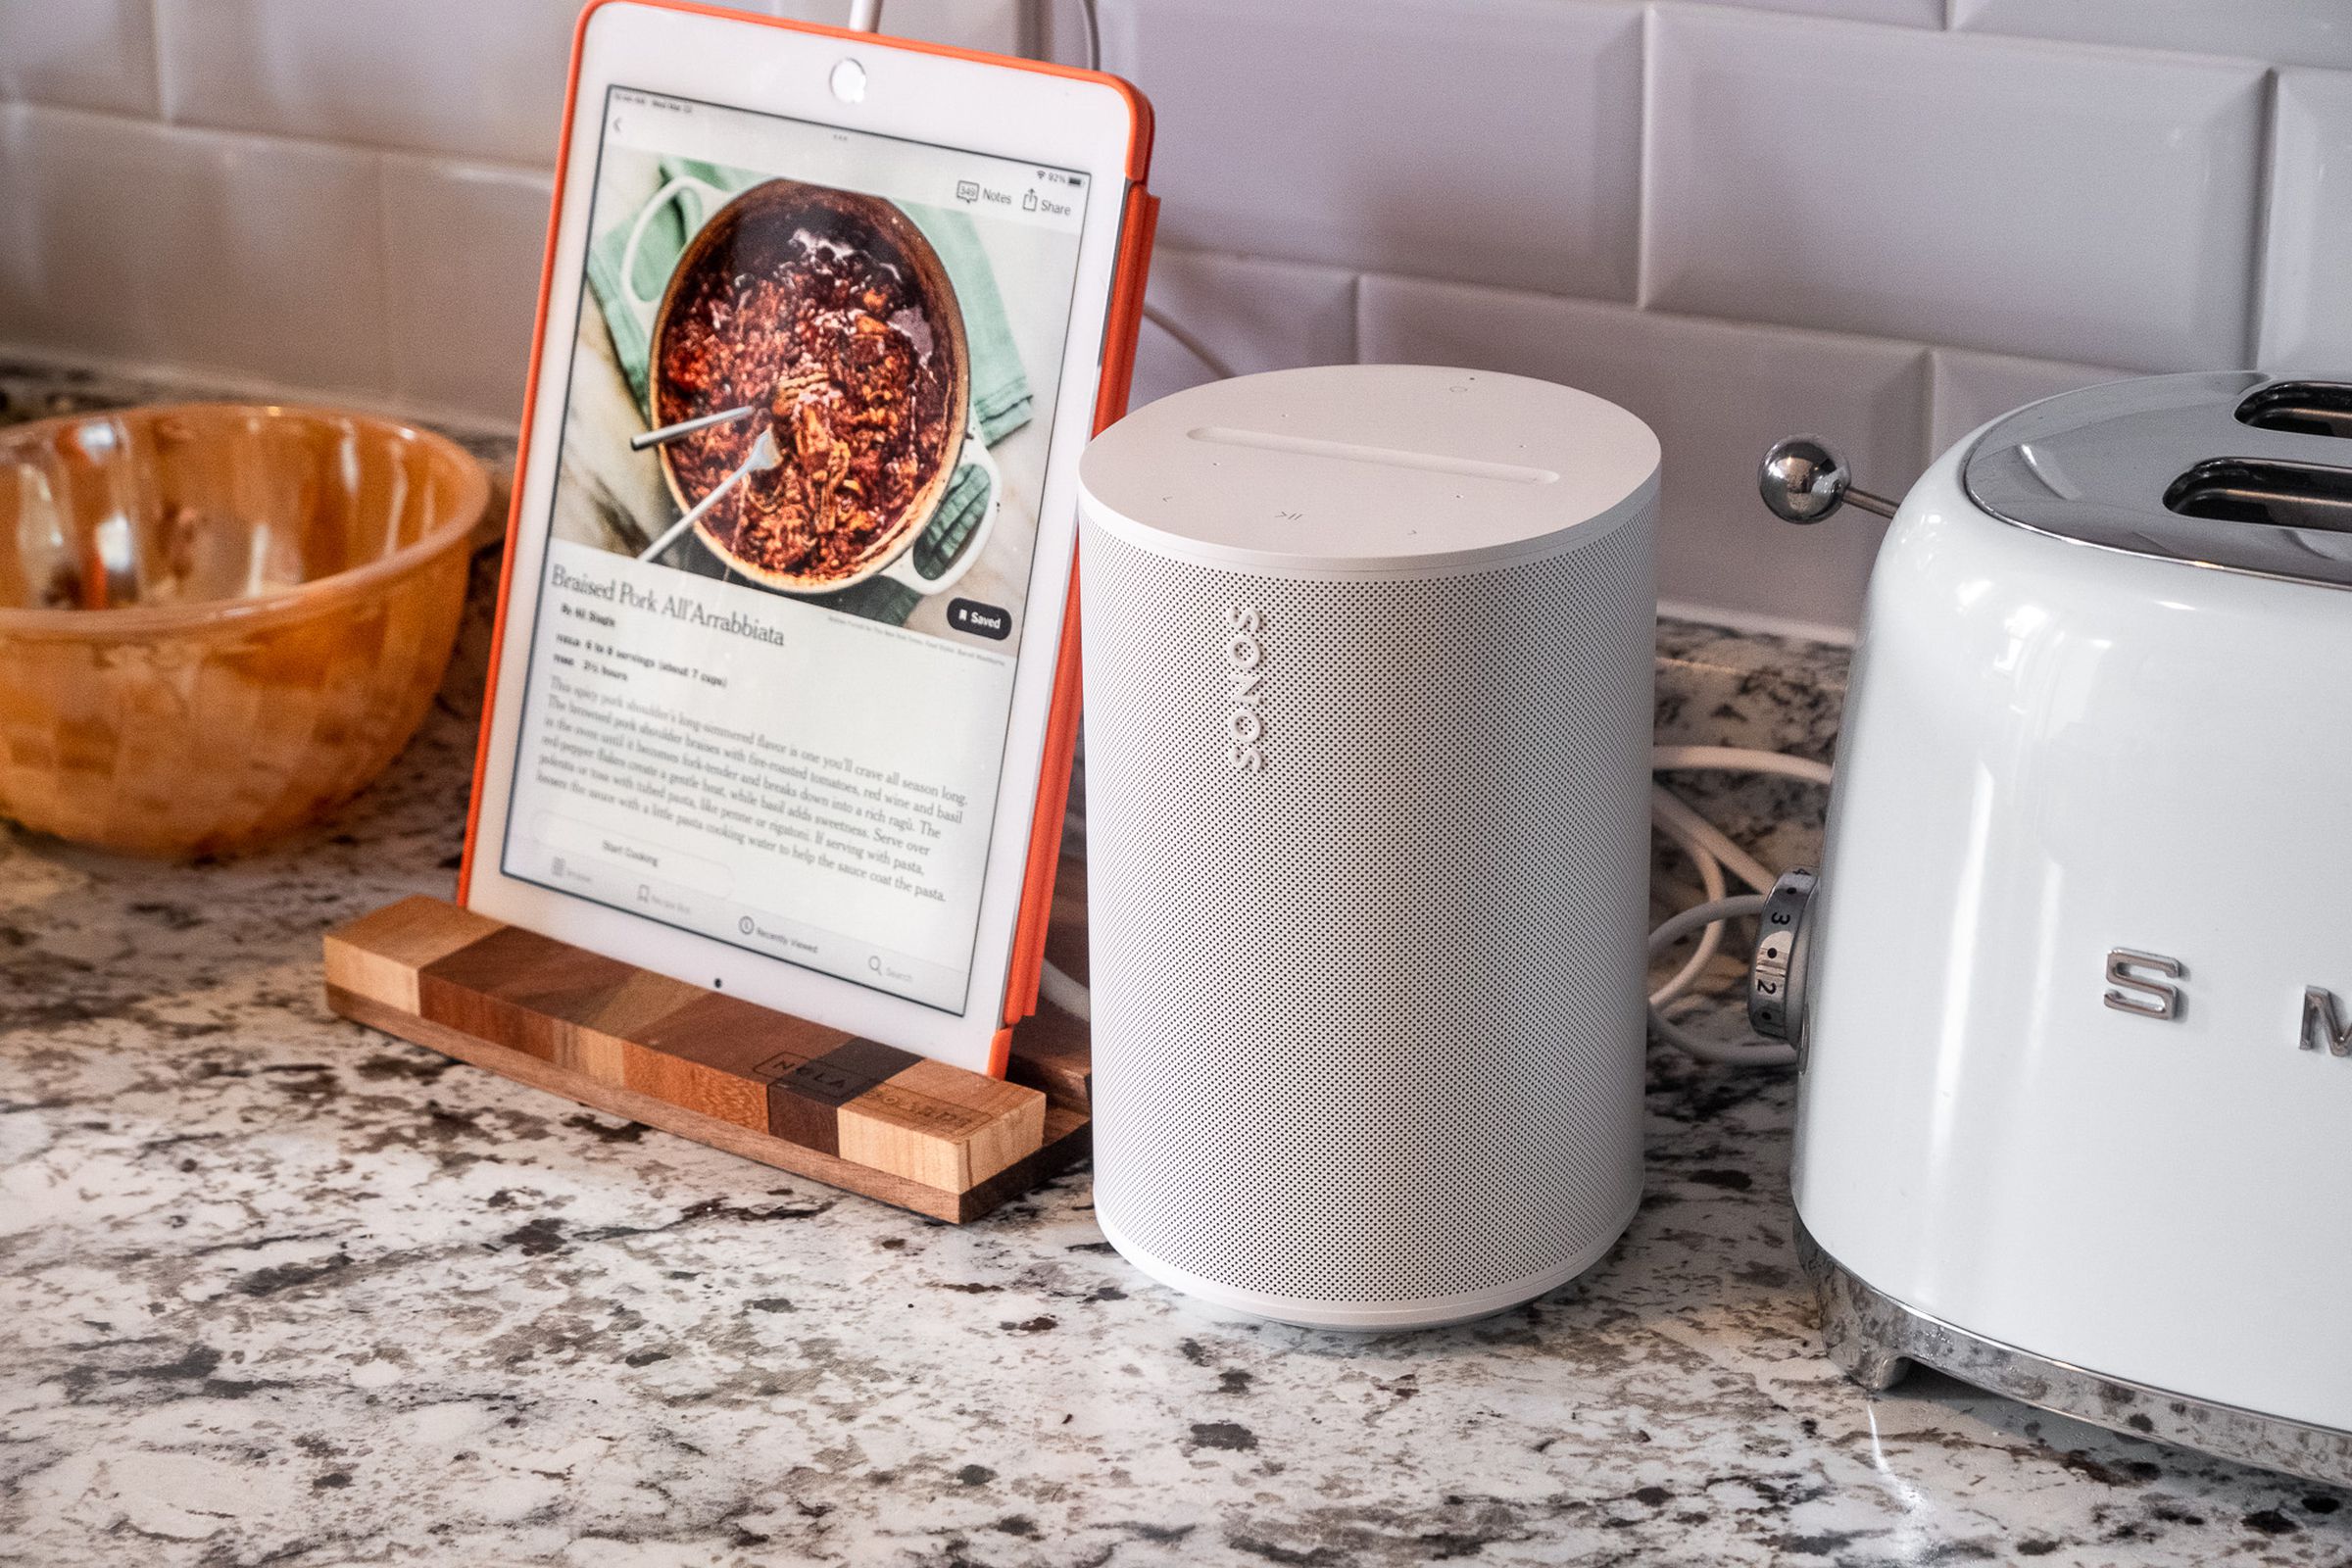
(825, 319)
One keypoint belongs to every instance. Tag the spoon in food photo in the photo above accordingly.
(671, 432)
(763, 456)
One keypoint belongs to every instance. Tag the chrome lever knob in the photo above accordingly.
(1801, 480)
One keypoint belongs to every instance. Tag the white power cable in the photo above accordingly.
(1711, 885)
(1667, 807)
(1711, 852)
(1737, 759)
(1678, 821)
(1188, 341)
(1740, 1053)
(1062, 989)
(1185, 339)
(1710, 849)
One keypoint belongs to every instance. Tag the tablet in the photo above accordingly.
(785, 681)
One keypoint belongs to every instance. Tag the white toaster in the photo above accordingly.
(2073, 995)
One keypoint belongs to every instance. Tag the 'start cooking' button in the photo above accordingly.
(981, 621)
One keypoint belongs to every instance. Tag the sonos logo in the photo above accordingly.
(1245, 690)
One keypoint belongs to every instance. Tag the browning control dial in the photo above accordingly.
(1775, 980)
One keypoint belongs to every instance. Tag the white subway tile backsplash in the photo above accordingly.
(1717, 394)
(461, 76)
(474, 79)
(349, 194)
(1899, 13)
(462, 253)
(80, 54)
(2307, 287)
(1965, 389)
(2308, 33)
(197, 248)
(1254, 314)
(2008, 195)
(1493, 140)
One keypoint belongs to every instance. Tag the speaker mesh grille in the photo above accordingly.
(1368, 1024)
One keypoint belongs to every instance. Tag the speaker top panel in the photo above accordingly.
(1369, 471)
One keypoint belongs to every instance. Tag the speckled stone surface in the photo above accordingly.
(275, 1289)
(1724, 688)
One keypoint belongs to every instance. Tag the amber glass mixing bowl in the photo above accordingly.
(219, 622)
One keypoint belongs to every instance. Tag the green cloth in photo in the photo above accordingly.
(1001, 400)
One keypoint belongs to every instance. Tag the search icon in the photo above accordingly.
(874, 961)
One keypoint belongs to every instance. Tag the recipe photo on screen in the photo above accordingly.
(793, 531)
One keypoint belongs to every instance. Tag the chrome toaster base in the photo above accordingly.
(1875, 1339)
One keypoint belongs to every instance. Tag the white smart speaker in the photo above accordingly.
(1368, 656)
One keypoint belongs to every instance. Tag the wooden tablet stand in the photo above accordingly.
(705, 1065)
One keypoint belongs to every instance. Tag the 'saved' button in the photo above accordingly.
(981, 621)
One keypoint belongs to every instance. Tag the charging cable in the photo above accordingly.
(1056, 984)
(1736, 1054)
(1062, 989)
(1186, 339)
(1711, 888)
(1703, 842)
(1709, 849)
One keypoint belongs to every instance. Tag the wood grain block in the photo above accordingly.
(596, 1043)
(928, 1124)
(817, 1100)
(377, 956)
(1054, 1052)
(518, 988)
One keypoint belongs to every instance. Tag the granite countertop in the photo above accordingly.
(278, 1290)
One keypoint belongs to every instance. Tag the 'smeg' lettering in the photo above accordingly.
(2322, 1027)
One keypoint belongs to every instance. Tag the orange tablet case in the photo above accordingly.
(1120, 326)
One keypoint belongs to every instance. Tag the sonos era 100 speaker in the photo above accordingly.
(1368, 655)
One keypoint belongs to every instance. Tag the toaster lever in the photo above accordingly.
(1804, 481)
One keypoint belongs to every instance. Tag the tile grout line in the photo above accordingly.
(383, 161)
(237, 134)
(155, 53)
(387, 308)
(185, 380)
(2266, 183)
(1646, 154)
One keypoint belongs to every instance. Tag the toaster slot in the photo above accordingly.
(2286, 495)
(2306, 407)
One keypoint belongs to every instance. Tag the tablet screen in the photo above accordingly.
(792, 538)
